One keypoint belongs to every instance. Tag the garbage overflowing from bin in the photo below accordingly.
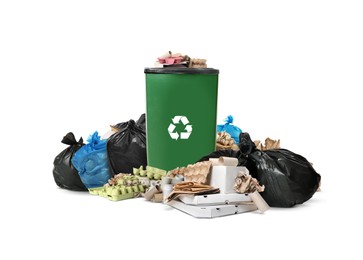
(176, 154)
(170, 59)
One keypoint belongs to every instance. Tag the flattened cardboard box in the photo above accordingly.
(213, 211)
(214, 199)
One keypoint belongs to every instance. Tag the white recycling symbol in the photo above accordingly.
(183, 135)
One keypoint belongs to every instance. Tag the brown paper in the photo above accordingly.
(269, 144)
(246, 184)
(224, 161)
(259, 201)
(149, 194)
(191, 188)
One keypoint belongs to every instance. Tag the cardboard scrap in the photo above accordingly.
(197, 172)
(191, 188)
(269, 144)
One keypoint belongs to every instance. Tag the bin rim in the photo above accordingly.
(178, 70)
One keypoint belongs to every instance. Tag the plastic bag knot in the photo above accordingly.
(229, 119)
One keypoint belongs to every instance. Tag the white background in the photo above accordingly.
(288, 69)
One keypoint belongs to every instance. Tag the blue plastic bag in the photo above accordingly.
(91, 162)
(228, 127)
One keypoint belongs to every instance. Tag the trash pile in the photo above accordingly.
(222, 183)
(176, 154)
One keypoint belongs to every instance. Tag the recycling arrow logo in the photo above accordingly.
(183, 135)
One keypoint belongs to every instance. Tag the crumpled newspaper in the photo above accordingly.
(247, 184)
(269, 144)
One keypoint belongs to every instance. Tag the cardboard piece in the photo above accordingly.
(197, 172)
(158, 197)
(213, 211)
(175, 194)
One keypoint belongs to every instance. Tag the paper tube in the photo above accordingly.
(259, 201)
(215, 161)
(224, 161)
(151, 192)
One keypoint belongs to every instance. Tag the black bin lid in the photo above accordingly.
(179, 70)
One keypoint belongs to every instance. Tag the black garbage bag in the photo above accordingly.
(141, 122)
(126, 149)
(289, 178)
(65, 175)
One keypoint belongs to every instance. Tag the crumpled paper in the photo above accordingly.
(247, 184)
(225, 141)
(269, 144)
(198, 63)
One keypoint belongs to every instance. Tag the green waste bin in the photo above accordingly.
(181, 111)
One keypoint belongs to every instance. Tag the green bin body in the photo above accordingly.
(181, 111)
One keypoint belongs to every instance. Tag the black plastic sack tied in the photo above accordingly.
(71, 140)
(289, 178)
(126, 149)
(141, 123)
(65, 175)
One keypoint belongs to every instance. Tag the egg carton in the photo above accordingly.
(123, 186)
(118, 192)
(151, 173)
(197, 172)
